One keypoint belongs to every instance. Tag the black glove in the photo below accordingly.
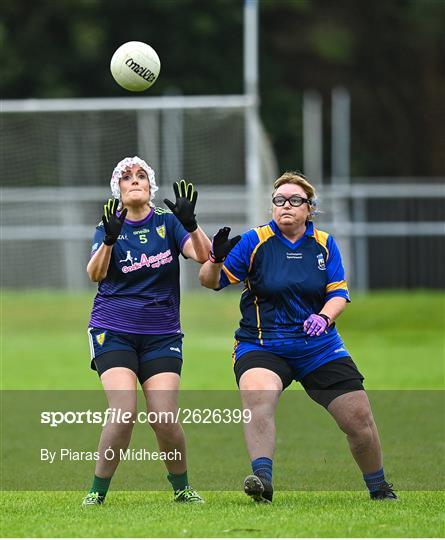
(184, 208)
(112, 223)
(221, 245)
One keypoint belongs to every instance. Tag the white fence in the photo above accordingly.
(391, 231)
(46, 232)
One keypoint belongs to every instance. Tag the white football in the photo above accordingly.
(135, 66)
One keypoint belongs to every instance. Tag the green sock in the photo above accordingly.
(178, 481)
(100, 485)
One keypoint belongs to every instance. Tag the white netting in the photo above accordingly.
(56, 167)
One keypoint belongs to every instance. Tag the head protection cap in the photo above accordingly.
(125, 164)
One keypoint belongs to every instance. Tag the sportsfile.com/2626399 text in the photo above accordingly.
(114, 415)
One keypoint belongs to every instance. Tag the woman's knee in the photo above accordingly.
(123, 420)
(163, 423)
(359, 421)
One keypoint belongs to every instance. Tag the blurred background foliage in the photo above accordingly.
(390, 55)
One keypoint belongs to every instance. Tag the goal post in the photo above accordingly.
(67, 149)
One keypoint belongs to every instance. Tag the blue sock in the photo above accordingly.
(262, 467)
(373, 480)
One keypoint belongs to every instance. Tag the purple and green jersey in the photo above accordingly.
(140, 294)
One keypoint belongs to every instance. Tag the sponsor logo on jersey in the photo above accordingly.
(123, 237)
(320, 261)
(294, 255)
(100, 338)
(153, 261)
(161, 231)
(177, 349)
(128, 258)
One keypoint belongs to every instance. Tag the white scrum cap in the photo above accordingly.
(125, 164)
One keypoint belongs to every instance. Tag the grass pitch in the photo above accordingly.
(396, 339)
(293, 514)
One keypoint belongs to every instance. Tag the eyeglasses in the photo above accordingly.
(295, 200)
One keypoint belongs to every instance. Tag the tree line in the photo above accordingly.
(389, 54)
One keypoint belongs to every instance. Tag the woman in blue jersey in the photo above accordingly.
(134, 330)
(295, 289)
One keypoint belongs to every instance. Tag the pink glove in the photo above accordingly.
(315, 325)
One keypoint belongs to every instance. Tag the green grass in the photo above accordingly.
(293, 514)
(397, 340)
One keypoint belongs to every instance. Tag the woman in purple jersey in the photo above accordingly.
(295, 289)
(134, 329)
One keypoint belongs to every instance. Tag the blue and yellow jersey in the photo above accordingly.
(285, 282)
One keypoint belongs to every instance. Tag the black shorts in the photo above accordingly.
(324, 384)
(145, 354)
(143, 370)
